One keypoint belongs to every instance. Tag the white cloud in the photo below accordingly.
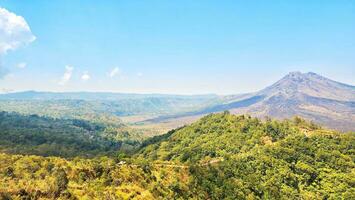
(85, 76)
(67, 75)
(139, 74)
(14, 31)
(21, 65)
(114, 72)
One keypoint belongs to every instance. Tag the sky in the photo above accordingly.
(172, 47)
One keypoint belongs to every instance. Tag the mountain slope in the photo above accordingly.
(310, 84)
(240, 157)
(220, 135)
(221, 156)
(32, 134)
(308, 95)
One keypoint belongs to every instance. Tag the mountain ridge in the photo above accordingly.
(308, 95)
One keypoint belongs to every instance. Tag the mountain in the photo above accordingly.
(310, 84)
(308, 95)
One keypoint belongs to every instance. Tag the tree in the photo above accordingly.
(61, 181)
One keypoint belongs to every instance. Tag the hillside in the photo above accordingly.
(307, 95)
(35, 177)
(221, 156)
(33, 134)
(240, 157)
(220, 135)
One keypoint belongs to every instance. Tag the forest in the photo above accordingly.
(221, 156)
(46, 136)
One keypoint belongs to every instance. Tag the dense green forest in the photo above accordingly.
(237, 157)
(33, 134)
(221, 156)
(64, 109)
(34, 177)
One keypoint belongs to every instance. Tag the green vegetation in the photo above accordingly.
(51, 137)
(240, 157)
(21, 134)
(34, 177)
(217, 135)
(99, 107)
(61, 109)
(221, 156)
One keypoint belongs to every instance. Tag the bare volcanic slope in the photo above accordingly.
(308, 95)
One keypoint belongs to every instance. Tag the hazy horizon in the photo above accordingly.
(199, 47)
(147, 93)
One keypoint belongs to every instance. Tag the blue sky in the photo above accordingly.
(183, 47)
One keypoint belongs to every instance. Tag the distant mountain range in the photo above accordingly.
(308, 95)
(93, 96)
(90, 105)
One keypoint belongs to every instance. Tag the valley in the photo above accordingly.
(307, 95)
(271, 144)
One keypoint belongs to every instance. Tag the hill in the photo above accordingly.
(221, 135)
(240, 157)
(33, 134)
(221, 156)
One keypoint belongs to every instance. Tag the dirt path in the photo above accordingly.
(215, 161)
